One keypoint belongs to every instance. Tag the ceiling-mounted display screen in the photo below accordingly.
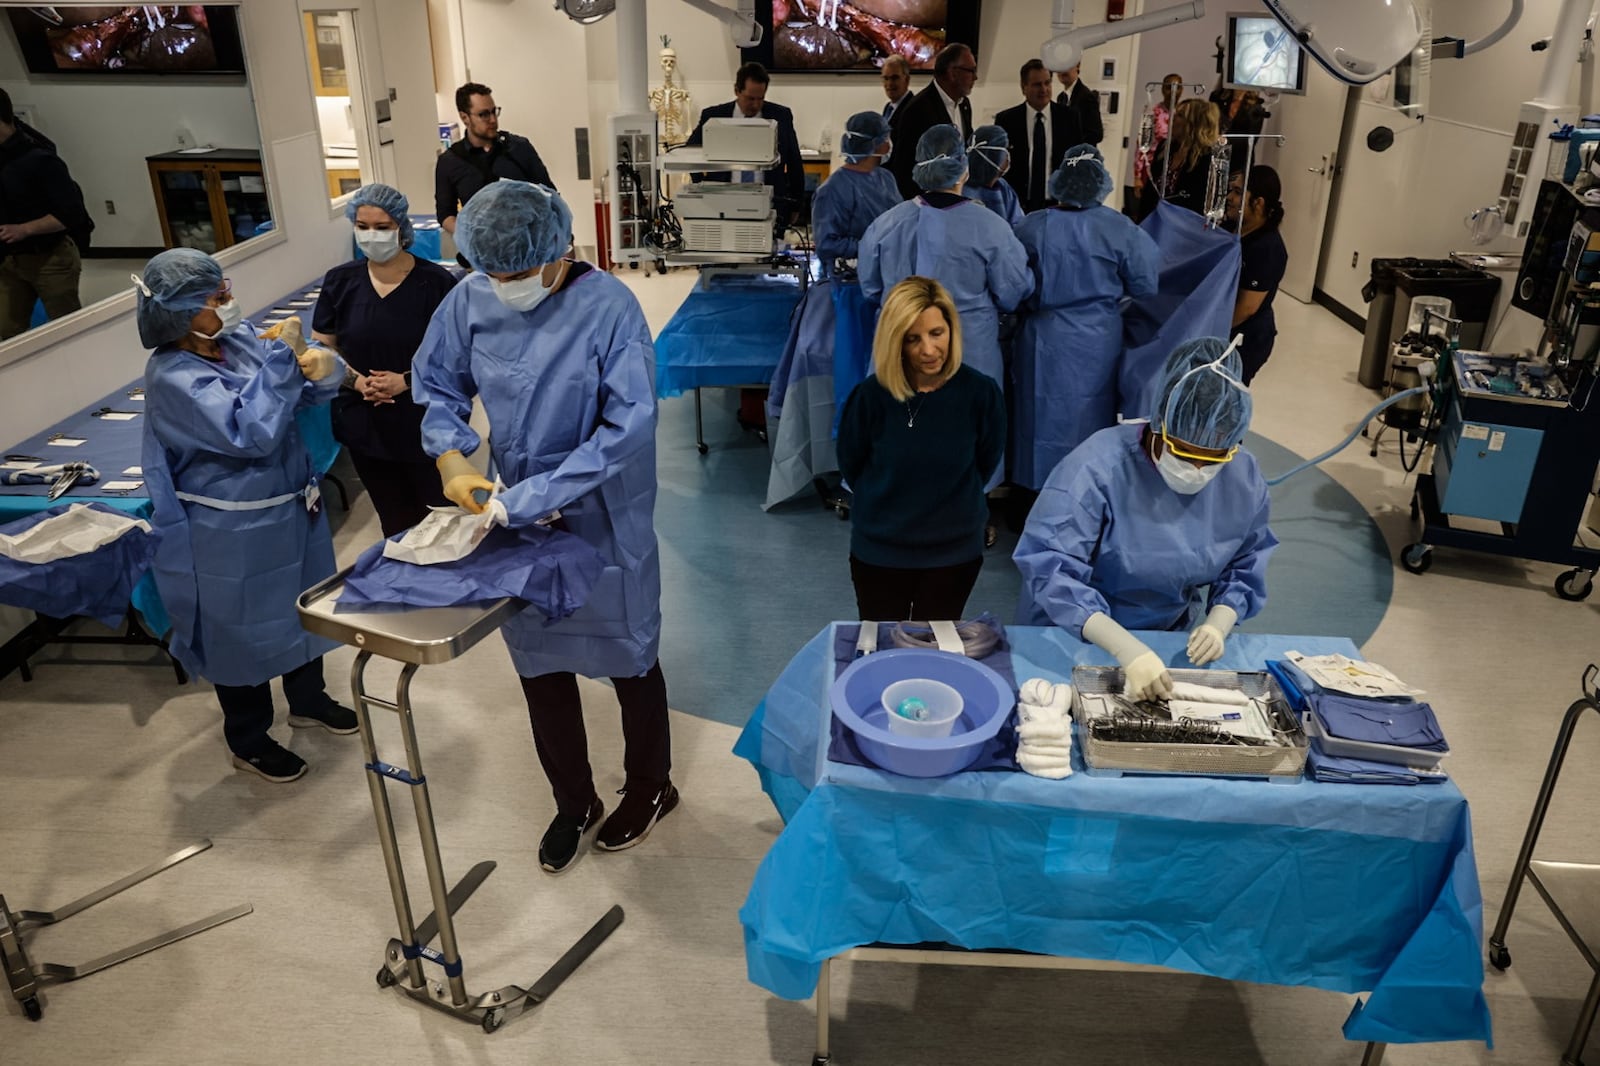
(856, 36)
(129, 38)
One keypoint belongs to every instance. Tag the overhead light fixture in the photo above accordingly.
(586, 12)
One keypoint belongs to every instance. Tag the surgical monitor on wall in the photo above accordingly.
(1263, 55)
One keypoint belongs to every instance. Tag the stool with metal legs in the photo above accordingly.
(1571, 890)
(27, 978)
(417, 638)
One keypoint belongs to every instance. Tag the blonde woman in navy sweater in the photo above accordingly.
(918, 441)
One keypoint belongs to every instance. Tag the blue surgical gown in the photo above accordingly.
(226, 431)
(844, 206)
(1065, 356)
(965, 247)
(1000, 198)
(570, 394)
(1107, 535)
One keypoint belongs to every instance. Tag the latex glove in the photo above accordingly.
(460, 480)
(289, 331)
(317, 363)
(1144, 674)
(1208, 638)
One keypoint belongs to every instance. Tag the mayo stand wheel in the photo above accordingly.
(1416, 558)
(1567, 586)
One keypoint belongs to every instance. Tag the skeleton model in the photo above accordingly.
(670, 103)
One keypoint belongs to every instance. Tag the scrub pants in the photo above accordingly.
(899, 594)
(400, 492)
(556, 713)
(49, 277)
(247, 709)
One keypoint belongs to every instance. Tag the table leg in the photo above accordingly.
(824, 1004)
(1374, 1054)
(699, 425)
(1573, 1056)
(385, 817)
(430, 841)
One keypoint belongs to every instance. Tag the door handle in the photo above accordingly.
(1322, 170)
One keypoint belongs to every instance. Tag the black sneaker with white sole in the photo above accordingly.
(564, 841)
(330, 716)
(635, 816)
(274, 762)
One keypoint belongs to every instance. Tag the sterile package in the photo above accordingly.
(78, 531)
(446, 535)
(1339, 673)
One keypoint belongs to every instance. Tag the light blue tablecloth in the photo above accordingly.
(1349, 888)
(729, 330)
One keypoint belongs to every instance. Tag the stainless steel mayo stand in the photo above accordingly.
(417, 638)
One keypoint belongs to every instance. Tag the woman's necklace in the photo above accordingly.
(911, 412)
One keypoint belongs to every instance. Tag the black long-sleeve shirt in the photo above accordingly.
(917, 470)
(34, 182)
(462, 170)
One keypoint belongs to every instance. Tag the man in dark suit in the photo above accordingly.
(1085, 103)
(896, 85)
(942, 103)
(788, 178)
(1041, 131)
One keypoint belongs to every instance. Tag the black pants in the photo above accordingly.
(247, 709)
(895, 594)
(556, 713)
(401, 493)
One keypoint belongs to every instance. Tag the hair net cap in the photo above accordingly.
(987, 154)
(863, 132)
(173, 287)
(390, 201)
(941, 158)
(1202, 400)
(1082, 179)
(511, 226)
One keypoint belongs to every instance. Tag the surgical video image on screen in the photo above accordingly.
(1265, 55)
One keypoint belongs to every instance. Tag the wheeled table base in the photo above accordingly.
(26, 978)
(944, 954)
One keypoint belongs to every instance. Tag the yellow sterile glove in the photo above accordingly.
(462, 481)
(290, 332)
(317, 362)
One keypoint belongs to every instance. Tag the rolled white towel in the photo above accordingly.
(1193, 693)
(1043, 729)
(1037, 692)
(1052, 767)
(1046, 751)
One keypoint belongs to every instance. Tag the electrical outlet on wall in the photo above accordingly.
(111, 207)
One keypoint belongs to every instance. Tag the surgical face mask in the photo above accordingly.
(523, 294)
(1182, 476)
(231, 315)
(378, 245)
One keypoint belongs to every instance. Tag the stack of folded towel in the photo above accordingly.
(1044, 731)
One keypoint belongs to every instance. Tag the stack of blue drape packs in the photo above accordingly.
(1401, 730)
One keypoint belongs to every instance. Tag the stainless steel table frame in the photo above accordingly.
(417, 638)
(947, 955)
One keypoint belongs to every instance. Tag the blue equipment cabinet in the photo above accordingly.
(1482, 469)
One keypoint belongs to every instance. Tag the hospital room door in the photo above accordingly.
(1307, 164)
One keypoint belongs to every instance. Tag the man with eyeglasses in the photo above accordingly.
(483, 156)
(943, 102)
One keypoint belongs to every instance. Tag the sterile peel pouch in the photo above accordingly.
(1338, 673)
(444, 536)
(79, 530)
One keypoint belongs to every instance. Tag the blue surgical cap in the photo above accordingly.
(1082, 179)
(987, 153)
(390, 201)
(511, 226)
(175, 285)
(863, 132)
(1202, 400)
(941, 158)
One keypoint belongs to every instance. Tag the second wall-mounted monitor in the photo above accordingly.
(1263, 55)
(856, 36)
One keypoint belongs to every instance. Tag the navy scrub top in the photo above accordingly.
(379, 333)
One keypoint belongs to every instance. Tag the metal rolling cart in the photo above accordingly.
(26, 978)
(417, 638)
(1571, 890)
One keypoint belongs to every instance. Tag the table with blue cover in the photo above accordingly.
(1348, 888)
(113, 444)
(730, 331)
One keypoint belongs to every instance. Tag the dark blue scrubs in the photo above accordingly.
(1262, 261)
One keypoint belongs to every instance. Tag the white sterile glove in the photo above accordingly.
(1208, 638)
(316, 363)
(290, 331)
(1145, 676)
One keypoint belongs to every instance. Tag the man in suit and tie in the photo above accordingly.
(896, 85)
(944, 102)
(788, 178)
(1041, 131)
(1084, 102)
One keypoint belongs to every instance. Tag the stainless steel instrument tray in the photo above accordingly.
(419, 635)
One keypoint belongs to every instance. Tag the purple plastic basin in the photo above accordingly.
(855, 697)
